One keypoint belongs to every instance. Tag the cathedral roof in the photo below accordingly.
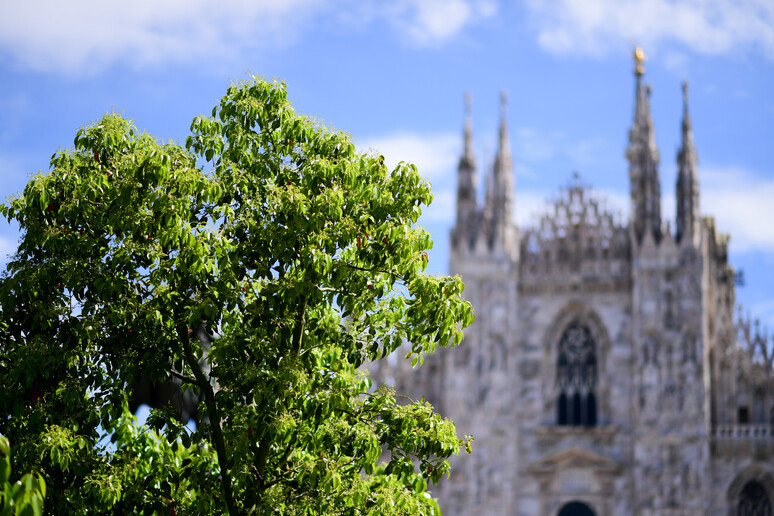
(576, 236)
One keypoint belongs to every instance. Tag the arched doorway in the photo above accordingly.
(576, 509)
(753, 500)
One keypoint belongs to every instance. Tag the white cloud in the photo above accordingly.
(741, 205)
(707, 26)
(88, 35)
(84, 36)
(430, 22)
(435, 155)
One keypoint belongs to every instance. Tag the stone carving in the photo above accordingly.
(683, 391)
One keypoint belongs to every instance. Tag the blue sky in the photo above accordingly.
(393, 74)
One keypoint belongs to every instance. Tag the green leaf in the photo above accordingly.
(251, 231)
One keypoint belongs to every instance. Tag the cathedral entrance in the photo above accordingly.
(754, 501)
(576, 509)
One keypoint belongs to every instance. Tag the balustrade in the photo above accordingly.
(746, 431)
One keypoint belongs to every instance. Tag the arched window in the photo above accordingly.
(754, 501)
(576, 377)
(576, 509)
(562, 417)
(591, 409)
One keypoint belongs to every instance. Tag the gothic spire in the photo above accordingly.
(467, 136)
(503, 143)
(467, 209)
(687, 181)
(643, 157)
(502, 172)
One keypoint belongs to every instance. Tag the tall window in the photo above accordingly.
(753, 501)
(576, 377)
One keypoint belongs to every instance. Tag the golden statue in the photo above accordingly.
(639, 60)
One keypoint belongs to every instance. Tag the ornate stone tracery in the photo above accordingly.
(576, 237)
(744, 389)
(576, 377)
(632, 313)
(575, 345)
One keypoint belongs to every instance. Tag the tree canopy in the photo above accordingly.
(268, 231)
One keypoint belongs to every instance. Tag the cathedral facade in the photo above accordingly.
(606, 372)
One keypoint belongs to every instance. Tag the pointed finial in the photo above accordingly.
(468, 132)
(639, 61)
(686, 116)
(503, 102)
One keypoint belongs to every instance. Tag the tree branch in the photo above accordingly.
(262, 455)
(374, 269)
(182, 378)
(212, 409)
(298, 329)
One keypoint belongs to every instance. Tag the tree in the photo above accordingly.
(267, 231)
(24, 497)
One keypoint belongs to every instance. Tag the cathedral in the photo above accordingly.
(607, 372)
